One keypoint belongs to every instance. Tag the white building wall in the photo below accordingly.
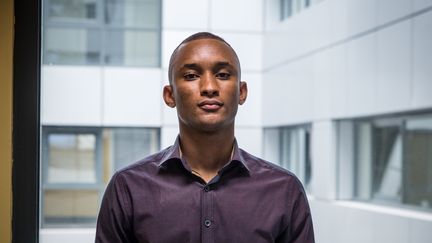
(348, 59)
(336, 59)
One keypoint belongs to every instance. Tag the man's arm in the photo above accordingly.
(113, 224)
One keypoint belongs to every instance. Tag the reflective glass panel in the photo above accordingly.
(81, 11)
(72, 158)
(72, 46)
(132, 48)
(418, 168)
(133, 13)
(70, 207)
(394, 161)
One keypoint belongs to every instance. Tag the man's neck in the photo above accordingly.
(206, 152)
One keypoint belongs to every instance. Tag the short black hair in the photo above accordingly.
(197, 36)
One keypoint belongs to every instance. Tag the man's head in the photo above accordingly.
(198, 36)
(205, 84)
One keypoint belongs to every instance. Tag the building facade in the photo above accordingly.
(339, 93)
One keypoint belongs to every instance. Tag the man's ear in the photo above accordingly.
(243, 92)
(168, 96)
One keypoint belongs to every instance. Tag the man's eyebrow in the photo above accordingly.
(191, 65)
(223, 64)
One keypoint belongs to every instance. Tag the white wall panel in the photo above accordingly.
(71, 95)
(298, 35)
(360, 222)
(249, 139)
(250, 113)
(339, 19)
(422, 61)
(362, 15)
(393, 84)
(288, 94)
(389, 10)
(132, 97)
(419, 230)
(421, 4)
(70, 235)
(169, 115)
(239, 15)
(324, 167)
(170, 40)
(168, 135)
(362, 75)
(330, 83)
(185, 14)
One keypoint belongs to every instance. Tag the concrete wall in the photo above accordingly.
(6, 66)
(348, 59)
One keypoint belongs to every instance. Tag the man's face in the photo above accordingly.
(205, 85)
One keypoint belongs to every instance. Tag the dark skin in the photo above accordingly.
(206, 90)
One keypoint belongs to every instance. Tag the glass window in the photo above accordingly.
(80, 11)
(72, 46)
(133, 13)
(125, 48)
(77, 164)
(394, 160)
(102, 32)
(291, 7)
(290, 148)
(71, 158)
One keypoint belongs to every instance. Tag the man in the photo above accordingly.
(204, 188)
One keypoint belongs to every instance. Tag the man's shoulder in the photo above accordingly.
(257, 164)
(264, 168)
(147, 163)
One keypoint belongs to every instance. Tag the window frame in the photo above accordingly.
(347, 157)
(26, 121)
(98, 185)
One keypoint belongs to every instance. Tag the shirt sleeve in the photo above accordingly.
(300, 227)
(114, 219)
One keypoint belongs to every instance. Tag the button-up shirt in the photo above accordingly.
(160, 200)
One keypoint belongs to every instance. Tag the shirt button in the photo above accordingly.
(206, 188)
(207, 223)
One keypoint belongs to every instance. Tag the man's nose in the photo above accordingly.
(209, 86)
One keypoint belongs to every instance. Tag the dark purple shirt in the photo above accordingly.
(159, 199)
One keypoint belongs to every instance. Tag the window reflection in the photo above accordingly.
(77, 164)
(77, 10)
(71, 158)
(394, 160)
(102, 32)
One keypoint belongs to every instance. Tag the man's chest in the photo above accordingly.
(195, 213)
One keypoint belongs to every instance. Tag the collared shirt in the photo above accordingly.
(160, 200)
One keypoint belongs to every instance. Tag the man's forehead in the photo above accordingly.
(220, 48)
(195, 44)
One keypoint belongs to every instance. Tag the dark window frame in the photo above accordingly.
(26, 121)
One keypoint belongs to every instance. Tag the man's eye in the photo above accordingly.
(190, 76)
(223, 76)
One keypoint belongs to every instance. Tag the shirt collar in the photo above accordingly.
(173, 153)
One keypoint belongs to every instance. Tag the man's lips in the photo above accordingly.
(210, 105)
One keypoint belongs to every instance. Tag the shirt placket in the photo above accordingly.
(207, 219)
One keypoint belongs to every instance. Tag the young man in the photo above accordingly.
(204, 188)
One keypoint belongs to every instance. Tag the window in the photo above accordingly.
(393, 160)
(102, 32)
(291, 7)
(77, 164)
(290, 148)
